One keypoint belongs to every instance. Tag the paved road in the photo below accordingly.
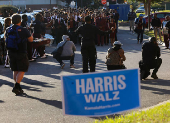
(43, 102)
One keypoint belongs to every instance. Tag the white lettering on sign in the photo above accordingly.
(101, 97)
(90, 86)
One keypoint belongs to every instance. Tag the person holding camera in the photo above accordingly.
(67, 52)
(150, 59)
(115, 57)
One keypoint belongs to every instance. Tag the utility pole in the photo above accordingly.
(149, 4)
(81, 3)
(50, 4)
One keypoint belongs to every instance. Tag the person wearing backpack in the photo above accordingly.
(115, 57)
(16, 39)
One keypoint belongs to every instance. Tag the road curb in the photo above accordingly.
(161, 103)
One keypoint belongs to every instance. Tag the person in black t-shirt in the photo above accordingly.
(150, 59)
(18, 58)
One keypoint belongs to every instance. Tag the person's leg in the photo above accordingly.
(19, 76)
(133, 24)
(59, 59)
(155, 33)
(157, 65)
(85, 59)
(166, 41)
(130, 21)
(111, 39)
(160, 36)
(138, 36)
(109, 67)
(15, 73)
(102, 40)
(141, 39)
(72, 60)
(92, 59)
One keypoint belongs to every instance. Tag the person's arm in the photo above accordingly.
(78, 30)
(158, 52)
(30, 39)
(74, 47)
(98, 31)
(122, 56)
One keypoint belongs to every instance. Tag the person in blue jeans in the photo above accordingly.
(140, 22)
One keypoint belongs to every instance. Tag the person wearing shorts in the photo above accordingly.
(18, 58)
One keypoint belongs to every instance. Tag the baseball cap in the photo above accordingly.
(117, 43)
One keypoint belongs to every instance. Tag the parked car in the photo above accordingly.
(160, 15)
(140, 10)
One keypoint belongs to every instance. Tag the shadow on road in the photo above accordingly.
(159, 82)
(55, 103)
(1, 101)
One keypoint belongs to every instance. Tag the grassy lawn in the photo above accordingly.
(158, 114)
(151, 34)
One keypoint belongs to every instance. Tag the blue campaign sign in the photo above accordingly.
(100, 94)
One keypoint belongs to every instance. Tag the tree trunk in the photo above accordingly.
(146, 8)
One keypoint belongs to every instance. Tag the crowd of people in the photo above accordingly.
(86, 27)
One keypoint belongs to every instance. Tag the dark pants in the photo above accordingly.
(145, 67)
(100, 40)
(114, 67)
(29, 50)
(116, 35)
(140, 34)
(71, 58)
(166, 41)
(88, 56)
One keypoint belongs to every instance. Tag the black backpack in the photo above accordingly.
(57, 52)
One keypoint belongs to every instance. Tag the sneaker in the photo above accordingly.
(62, 65)
(21, 90)
(7, 66)
(17, 91)
(72, 66)
(32, 60)
(154, 76)
(43, 57)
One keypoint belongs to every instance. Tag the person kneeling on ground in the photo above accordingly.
(115, 57)
(150, 59)
(67, 53)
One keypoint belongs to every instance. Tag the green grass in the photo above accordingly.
(151, 34)
(158, 114)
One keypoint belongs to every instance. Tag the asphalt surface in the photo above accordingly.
(43, 100)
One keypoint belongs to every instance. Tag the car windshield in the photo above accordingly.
(142, 7)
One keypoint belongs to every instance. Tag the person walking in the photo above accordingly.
(156, 24)
(131, 18)
(165, 32)
(112, 34)
(140, 27)
(18, 56)
(88, 49)
(115, 57)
